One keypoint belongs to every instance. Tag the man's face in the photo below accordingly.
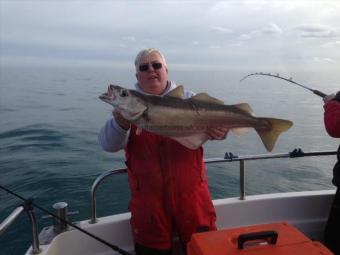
(152, 74)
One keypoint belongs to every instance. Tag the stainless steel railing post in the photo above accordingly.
(35, 238)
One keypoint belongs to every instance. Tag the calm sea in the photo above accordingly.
(50, 118)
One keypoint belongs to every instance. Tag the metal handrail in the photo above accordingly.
(229, 157)
(11, 218)
(94, 188)
(15, 214)
(296, 153)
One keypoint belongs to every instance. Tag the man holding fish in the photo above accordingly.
(162, 128)
(169, 189)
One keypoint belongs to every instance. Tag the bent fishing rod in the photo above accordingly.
(315, 91)
(30, 201)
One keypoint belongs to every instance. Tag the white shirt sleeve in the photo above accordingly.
(112, 137)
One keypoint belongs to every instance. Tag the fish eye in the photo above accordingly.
(123, 93)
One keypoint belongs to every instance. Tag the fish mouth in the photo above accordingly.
(109, 95)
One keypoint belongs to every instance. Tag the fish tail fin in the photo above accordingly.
(270, 135)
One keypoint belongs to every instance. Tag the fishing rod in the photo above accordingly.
(315, 91)
(30, 201)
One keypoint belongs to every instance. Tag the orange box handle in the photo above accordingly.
(257, 238)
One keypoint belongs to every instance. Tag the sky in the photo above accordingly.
(191, 34)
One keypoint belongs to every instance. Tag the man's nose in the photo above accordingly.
(151, 67)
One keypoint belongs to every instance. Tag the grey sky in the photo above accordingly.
(191, 34)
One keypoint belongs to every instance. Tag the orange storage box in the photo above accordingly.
(274, 239)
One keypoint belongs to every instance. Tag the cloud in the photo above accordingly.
(225, 32)
(54, 41)
(331, 44)
(214, 47)
(249, 36)
(272, 29)
(323, 60)
(221, 29)
(316, 31)
(129, 38)
(151, 41)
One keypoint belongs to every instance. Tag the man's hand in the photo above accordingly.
(121, 121)
(328, 98)
(219, 133)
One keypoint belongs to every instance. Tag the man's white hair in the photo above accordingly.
(146, 52)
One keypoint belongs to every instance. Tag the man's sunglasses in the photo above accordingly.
(145, 67)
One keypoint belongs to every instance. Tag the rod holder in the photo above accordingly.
(61, 209)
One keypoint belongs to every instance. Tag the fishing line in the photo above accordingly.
(315, 91)
(30, 201)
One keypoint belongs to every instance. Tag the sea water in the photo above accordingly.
(50, 118)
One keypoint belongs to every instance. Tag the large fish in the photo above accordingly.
(187, 120)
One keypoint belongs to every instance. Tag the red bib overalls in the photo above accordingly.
(169, 190)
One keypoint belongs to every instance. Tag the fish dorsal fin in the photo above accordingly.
(245, 107)
(177, 92)
(204, 97)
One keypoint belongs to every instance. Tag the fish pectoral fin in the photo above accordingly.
(131, 114)
(177, 92)
(204, 97)
(192, 142)
(240, 131)
(245, 107)
(269, 136)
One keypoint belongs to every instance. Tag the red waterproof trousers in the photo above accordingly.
(169, 190)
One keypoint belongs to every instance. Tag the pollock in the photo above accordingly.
(187, 120)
